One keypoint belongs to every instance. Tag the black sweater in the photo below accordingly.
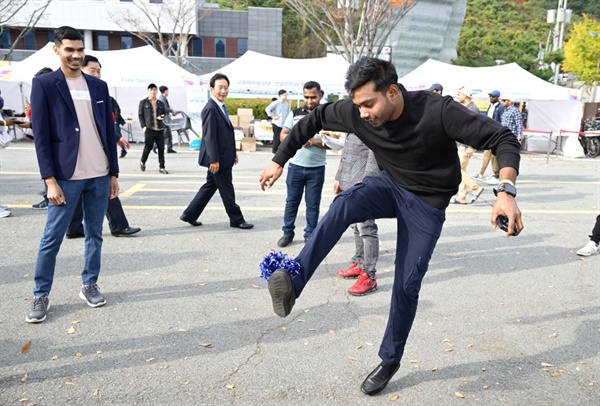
(417, 150)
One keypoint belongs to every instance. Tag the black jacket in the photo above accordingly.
(146, 114)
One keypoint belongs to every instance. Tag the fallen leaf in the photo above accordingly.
(71, 330)
(78, 354)
(69, 383)
(23, 400)
(230, 386)
(206, 327)
(414, 361)
(485, 387)
(181, 329)
(25, 349)
(470, 346)
(446, 340)
(353, 358)
(185, 383)
(562, 371)
(54, 357)
(483, 369)
(553, 335)
(394, 398)
(312, 329)
(205, 270)
(554, 375)
(255, 286)
(435, 369)
(96, 392)
(300, 321)
(369, 344)
(24, 377)
(202, 284)
(545, 364)
(360, 347)
(75, 322)
(99, 352)
(232, 289)
(206, 345)
(284, 328)
(459, 395)
(166, 366)
(448, 350)
(331, 331)
(150, 359)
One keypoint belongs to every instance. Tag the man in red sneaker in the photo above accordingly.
(357, 162)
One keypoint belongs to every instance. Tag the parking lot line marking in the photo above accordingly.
(132, 190)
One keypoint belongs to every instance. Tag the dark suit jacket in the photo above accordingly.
(499, 109)
(57, 129)
(218, 141)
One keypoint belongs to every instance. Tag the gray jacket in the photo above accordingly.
(357, 162)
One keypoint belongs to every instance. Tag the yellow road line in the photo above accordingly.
(132, 190)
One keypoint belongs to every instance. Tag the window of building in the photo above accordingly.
(242, 46)
(127, 1)
(126, 41)
(50, 36)
(156, 1)
(5, 39)
(220, 47)
(29, 41)
(197, 46)
(102, 42)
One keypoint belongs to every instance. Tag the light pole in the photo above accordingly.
(560, 17)
(595, 84)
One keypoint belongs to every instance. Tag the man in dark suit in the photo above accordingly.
(76, 150)
(218, 154)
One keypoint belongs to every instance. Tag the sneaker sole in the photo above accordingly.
(281, 289)
(28, 320)
(373, 289)
(349, 277)
(82, 296)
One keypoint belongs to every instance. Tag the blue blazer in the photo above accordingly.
(55, 125)
(218, 141)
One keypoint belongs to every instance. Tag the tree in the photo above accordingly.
(10, 15)
(582, 51)
(168, 25)
(352, 27)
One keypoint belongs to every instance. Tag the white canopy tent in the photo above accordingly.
(257, 75)
(550, 107)
(127, 73)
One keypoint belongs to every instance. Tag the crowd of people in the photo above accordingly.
(405, 157)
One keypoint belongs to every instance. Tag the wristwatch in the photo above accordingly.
(507, 188)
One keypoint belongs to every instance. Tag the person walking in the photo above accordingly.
(74, 109)
(218, 154)
(306, 171)
(163, 97)
(413, 136)
(593, 245)
(151, 114)
(278, 110)
(494, 111)
(511, 118)
(357, 162)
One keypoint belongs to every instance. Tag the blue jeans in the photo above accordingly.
(298, 179)
(94, 196)
(419, 227)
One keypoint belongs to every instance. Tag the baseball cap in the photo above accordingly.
(466, 90)
(494, 93)
(436, 86)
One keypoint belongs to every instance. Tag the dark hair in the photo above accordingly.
(216, 77)
(163, 89)
(151, 86)
(42, 71)
(282, 91)
(312, 85)
(66, 32)
(366, 69)
(89, 58)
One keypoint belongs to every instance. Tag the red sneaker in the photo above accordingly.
(352, 272)
(363, 285)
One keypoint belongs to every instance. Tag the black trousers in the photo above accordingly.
(114, 213)
(596, 231)
(168, 138)
(221, 181)
(150, 137)
(276, 134)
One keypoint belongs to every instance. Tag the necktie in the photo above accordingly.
(225, 112)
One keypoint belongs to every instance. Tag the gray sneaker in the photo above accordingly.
(91, 294)
(39, 308)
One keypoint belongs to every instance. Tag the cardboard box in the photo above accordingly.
(234, 121)
(245, 112)
(238, 145)
(248, 144)
(244, 124)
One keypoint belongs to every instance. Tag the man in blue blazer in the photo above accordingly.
(218, 154)
(77, 155)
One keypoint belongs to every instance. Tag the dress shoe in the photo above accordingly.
(243, 226)
(363, 285)
(353, 271)
(282, 292)
(123, 153)
(194, 223)
(379, 378)
(164, 171)
(142, 167)
(76, 235)
(285, 241)
(171, 151)
(126, 232)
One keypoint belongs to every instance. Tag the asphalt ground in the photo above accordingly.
(188, 321)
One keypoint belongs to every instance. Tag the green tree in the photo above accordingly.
(582, 51)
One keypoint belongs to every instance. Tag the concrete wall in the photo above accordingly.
(265, 30)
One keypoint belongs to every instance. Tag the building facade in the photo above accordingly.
(220, 36)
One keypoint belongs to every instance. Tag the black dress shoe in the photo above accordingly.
(171, 151)
(281, 289)
(126, 232)
(243, 226)
(76, 235)
(379, 378)
(195, 223)
(285, 241)
(123, 153)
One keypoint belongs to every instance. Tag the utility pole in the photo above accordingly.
(559, 17)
